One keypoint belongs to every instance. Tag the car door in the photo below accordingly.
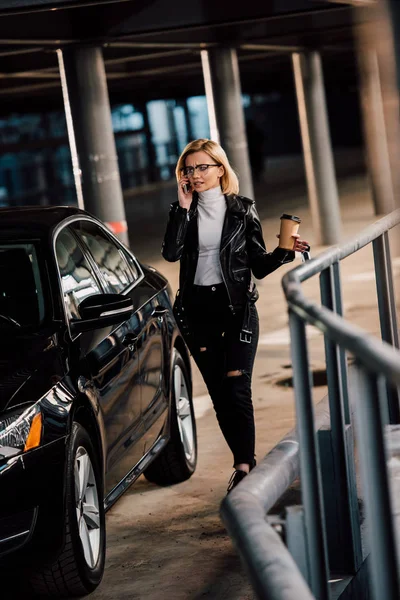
(122, 411)
(123, 274)
(106, 359)
(153, 399)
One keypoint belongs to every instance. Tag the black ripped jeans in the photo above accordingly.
(214, 328)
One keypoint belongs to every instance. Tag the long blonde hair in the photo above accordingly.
(229, 180)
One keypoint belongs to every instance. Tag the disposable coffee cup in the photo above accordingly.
(289, 227)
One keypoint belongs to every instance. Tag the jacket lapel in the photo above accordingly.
(235, 204)
(233, 218)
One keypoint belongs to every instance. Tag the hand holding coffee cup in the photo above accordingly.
(289, 239)
(289, 228)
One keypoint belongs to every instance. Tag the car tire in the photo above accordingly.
(80, 565)
(177, 461)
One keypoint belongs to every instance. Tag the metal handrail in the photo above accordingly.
(374, 360)
(272, 570)
(375, 354)
(339, 252)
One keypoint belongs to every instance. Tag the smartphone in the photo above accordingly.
(186, 188)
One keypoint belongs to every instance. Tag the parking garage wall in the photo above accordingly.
(35, 163)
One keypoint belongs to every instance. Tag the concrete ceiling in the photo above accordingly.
(152, 47)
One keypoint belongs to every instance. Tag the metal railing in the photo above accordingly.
(271, 569)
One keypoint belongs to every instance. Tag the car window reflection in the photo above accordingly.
(112, 262)
(78, 280)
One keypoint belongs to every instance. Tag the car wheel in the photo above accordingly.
(80, 565)
(178, 459)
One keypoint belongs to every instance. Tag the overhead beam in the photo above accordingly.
(186, 29)
(156, 71)
(4, 12)
(148, 45)
(272, 47)
(161, 70)
(354, 2)
(33, 42)
(20, 51)
(51, 73)
(144, 57)
(249, 21)
(42, 74)
(261, 51)
(29, 88)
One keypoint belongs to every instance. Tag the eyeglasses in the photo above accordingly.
(189, 171)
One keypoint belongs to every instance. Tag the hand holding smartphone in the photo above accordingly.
(185, 193)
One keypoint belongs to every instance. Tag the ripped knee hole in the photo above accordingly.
(234, 373)
(203, 349)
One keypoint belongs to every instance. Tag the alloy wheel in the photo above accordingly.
(185, 415)
(87, 506)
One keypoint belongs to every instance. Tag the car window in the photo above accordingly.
(21, 290)
(78, 279)
(109, 257)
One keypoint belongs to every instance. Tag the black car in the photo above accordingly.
(95, 389)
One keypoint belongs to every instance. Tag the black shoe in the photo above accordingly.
(236, 478)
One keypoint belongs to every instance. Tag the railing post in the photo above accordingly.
(331, 297)
(310, 475)
(375, 481)
(345, 546)
(387, 311)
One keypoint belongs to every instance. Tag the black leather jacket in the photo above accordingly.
(242, 248)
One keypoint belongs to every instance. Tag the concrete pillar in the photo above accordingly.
(376, 29)
(208, 86)
(393, 9)
(225, 111)
(153, 171)
(318, 156)
(376, 142)
(188, 121)
(381, 32)
(91, 136)
(172, 129)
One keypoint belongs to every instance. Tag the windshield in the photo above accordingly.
(21, 291)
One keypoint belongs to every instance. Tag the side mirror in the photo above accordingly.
(102, 310)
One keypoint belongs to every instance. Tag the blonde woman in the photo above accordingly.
(216, 234)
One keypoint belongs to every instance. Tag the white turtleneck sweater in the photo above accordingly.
(211, 210)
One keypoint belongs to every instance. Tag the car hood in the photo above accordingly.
(27, 367)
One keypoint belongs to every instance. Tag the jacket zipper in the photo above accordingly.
(222, 271)
(233, 236)
(181, 228)
(227, 290)
(240, 247)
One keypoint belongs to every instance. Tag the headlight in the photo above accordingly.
(20, 430)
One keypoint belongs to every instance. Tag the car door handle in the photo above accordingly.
(159, 311)
(130, 340)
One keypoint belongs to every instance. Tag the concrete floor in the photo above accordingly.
(170, 543)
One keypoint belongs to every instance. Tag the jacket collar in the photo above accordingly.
(233, 218)
(234, 204)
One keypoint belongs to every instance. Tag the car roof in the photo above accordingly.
(38, 220)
